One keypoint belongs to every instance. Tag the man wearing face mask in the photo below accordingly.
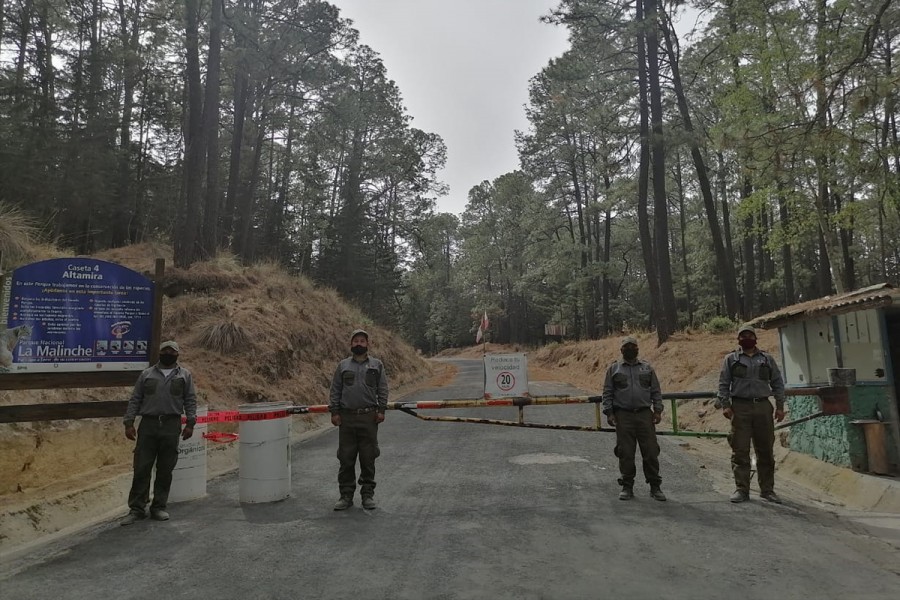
(632, 402)
(161, 395)
(748, 377)
(357, 402)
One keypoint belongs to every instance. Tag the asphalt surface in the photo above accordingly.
(472, 511)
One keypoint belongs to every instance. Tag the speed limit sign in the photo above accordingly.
(505, 375)
(506, 381)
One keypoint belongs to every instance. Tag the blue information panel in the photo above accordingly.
(75, 314)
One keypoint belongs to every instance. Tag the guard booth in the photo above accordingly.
(850, 339)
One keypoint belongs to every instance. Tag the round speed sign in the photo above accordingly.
(506, 381)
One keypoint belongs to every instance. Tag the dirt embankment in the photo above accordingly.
(248, 334)
(688, 361)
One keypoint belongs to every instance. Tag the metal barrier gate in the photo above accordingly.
(833, 400)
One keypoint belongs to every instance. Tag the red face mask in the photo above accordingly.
(747, 343)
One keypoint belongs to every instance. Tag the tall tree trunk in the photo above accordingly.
(845, 237)
(25, 16)
(667, 316)
(246, 241)
(275, 221)
(784, 216)
(726, 216)
(724, 267)
(750, 284)
(607, 284)
(824, 280)
(188, 222)
(124, 208)
(240, 102)
(684, 253)
(823, 196)
(644, 170)
(209, 238)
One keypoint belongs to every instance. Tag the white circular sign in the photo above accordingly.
(506, 381)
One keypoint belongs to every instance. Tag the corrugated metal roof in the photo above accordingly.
(882, 294)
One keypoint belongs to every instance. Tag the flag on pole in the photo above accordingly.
(482, 328)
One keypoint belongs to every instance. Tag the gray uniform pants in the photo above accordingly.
(157, 443)
(358, 438)
(635, 429)
(752, 421)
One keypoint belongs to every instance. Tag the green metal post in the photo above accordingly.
(674, 415)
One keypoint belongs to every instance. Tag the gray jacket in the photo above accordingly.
(745, 376)
(155, 394)
(630, 386)
(359, 385)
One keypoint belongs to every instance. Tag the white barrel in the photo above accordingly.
(265, 452)
(189, 476)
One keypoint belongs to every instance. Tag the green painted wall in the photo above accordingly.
(824, 438)
(834, 438)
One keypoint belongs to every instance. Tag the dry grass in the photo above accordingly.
(223, 337)
(689, 361)
(247, 333)
(20, 239)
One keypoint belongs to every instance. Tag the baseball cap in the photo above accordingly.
(746, 328)
(357, 332)
(628, 340)
(170, 344)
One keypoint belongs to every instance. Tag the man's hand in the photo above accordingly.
(335, 419)
(379, 417)
(187, 432)
(130, 432)
(728, 413)
(779, 415)
(611, 419)
(657, 417)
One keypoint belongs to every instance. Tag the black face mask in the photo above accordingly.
(358, 350)
(630, 355)
(747, 343)
(167, 360)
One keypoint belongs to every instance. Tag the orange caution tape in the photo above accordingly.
(233, 416)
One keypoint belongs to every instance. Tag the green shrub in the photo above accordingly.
(720, 325)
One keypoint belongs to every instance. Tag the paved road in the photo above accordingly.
(473, 511)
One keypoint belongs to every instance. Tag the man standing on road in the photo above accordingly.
(162, 393)
(748, 377)
(632, 402)
(358, 400)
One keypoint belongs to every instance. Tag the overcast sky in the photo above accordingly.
(462, 67)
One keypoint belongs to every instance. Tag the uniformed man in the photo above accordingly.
(161, 395)
(359, 395)
(632, 402)
(748, 377)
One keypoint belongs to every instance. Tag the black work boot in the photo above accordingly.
(344, 503)
(627, 493)
(739, 496)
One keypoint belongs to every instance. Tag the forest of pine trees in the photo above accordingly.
(662, 184)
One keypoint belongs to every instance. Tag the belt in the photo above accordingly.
(358, 411)
(765, 399)
(630, 410)
(161, 418)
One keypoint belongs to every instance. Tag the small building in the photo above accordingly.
(835, 336)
